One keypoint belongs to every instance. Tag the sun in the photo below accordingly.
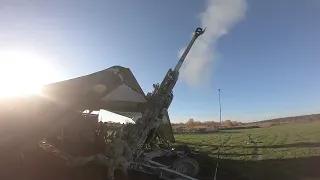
(23, 73)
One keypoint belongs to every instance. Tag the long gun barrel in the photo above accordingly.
(197, 33)
(158, 103)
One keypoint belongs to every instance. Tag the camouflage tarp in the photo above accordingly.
(114, 89)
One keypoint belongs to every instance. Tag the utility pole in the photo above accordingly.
(220, 109)
(220, 140)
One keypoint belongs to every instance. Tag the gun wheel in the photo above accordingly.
(186, 165)
(183, 151)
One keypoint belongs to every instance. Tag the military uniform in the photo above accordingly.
(114, 157)
(119, 151)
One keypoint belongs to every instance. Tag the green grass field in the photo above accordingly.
(279, 152)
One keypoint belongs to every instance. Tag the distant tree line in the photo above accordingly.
(287, 120)
(193, 123)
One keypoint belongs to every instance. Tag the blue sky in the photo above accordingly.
(267, 65)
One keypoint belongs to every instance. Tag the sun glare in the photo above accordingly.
(23, 73)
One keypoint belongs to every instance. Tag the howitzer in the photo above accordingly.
(26, 121)
(157, 104)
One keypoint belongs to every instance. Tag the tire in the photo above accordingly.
(187, 166)
(183, 151)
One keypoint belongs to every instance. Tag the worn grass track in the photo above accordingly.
(279, 152)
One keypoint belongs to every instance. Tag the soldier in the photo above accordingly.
(118, 152)
(101, 137)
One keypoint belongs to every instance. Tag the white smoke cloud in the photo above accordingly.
(219, 17)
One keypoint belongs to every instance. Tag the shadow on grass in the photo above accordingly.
(40, 165)
(293, 145)
(280, 169)
(304, 168)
